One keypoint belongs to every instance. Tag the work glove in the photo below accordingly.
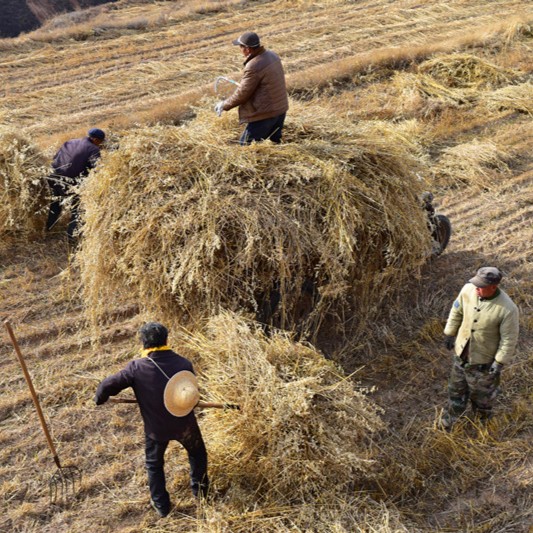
(496, 368)
(219, 108)
(449, 342)
(98, 400)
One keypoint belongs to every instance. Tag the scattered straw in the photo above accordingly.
(512, 98)
(22, 187)
(466, 71)
(476, 163)
(427, 96)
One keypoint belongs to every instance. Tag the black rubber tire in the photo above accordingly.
(443, 231)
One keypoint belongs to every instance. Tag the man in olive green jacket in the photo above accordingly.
(483, 329)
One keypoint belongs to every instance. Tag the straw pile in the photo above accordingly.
(186, 222)
(466, 71)
(423, 95)
(22, 187)
(512, 98)
(448, 81)
(475, 163)
(304, 428)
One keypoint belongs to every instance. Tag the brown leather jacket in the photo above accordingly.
(262, 93)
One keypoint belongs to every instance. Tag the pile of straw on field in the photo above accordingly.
(187, 222)
(466, 71)
(423, 95)
(22, 184)
(511, 98)
(475, 163)
(304, 428)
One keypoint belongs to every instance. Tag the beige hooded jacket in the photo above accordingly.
(488, 326)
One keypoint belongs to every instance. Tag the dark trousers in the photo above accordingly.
(58, 187)
(155, 460)
(55, 212)
(269, 128)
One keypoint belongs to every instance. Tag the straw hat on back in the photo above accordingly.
(181, 393)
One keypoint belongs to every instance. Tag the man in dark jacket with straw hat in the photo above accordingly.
(72, 162)
(482, 329)
(262, 93)
(166, 391)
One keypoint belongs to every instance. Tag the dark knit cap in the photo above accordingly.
(96, 133)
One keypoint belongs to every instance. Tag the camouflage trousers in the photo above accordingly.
(474, 383)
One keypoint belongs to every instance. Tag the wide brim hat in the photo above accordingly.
(181, 393)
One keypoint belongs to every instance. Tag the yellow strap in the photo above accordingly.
(146, 351)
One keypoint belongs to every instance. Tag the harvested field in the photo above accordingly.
(335, 435)
(167, 69)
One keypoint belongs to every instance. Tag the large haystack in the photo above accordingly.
(304, 428)
(186, 222)
(22, 185)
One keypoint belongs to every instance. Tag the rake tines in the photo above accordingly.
(64, 484)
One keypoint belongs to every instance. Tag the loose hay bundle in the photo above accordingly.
(22, 184)
(428, 95)
(304, 428)
(466, 71)
(187, 222)
(512, 98)
(475, 163)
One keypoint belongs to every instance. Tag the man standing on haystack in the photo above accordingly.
(167, 392)
(72, 162)
(483, 328)
(262, 93)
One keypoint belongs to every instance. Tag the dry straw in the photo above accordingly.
(186, 222)
(22, 184)
(476, 163)
(512, 98)
(466, 71)
(449, 81)
(304, 428)
(428, 96)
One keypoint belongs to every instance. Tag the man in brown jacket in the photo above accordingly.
(482, 329)
(261, 95)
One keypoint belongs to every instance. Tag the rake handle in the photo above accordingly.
(219, 405)
(199, 404)
(32, 391)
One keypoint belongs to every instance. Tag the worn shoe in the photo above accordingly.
(445, 424)
(161, 512)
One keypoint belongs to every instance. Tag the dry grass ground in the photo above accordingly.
(156, 72)
(360, 60)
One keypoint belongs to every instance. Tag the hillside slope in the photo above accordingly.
(21, 16)
(115, 78)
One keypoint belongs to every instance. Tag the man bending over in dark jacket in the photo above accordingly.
(72, 162)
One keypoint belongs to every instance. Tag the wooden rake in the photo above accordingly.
(65, 481)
